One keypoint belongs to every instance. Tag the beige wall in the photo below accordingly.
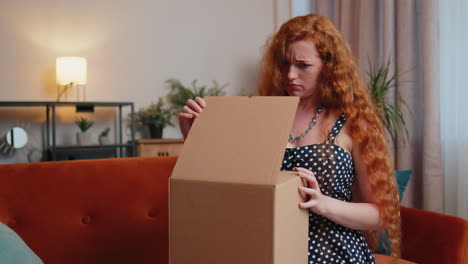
(131, 47)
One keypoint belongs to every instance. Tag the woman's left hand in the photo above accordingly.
(315, 199)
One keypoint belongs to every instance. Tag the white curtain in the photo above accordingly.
(453, 102)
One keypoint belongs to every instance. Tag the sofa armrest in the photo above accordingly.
(429, 237)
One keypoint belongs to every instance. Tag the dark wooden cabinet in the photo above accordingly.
(159, 147)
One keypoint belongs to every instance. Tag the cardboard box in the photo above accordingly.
(229, 201)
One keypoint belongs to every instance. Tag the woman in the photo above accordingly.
(336, 141)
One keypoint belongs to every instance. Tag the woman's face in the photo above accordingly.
(301, 68)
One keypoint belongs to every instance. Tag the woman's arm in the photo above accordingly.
(363, 215)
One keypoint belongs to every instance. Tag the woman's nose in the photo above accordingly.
(292, 74)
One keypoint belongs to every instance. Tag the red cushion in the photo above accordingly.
(382, 259)
(430, 237)
(90, 211)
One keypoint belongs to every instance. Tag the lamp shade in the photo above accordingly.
(71, 70)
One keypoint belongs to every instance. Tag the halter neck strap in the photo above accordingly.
(337, 128)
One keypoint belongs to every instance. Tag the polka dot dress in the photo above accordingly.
(330, 242)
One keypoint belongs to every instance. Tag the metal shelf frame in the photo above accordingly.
(51, 124)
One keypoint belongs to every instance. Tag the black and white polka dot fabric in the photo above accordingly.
(333, 167)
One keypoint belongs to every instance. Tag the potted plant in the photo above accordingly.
(380, 83)
(83, 137)
(156, 117)
(179, 93)
(104, 137)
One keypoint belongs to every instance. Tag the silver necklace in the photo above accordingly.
(318, 110)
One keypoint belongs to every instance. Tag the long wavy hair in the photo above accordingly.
(342, 87)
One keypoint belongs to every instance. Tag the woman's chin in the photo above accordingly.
(294, 93)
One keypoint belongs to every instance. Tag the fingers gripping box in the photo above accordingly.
(229, 201)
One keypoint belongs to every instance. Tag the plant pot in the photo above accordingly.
(104, 140)
(155, 131)
(83, 138)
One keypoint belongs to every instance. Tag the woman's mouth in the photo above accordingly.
(294, 86)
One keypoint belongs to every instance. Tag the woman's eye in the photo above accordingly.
(303, 65)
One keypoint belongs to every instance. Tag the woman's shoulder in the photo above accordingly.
(343, 139)
(333, 115)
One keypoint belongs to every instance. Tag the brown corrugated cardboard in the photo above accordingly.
(229, 202)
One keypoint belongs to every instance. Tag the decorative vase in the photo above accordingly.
(104, 140)
(155, 131)
(83, 138)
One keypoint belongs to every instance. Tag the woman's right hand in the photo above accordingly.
(190, 111)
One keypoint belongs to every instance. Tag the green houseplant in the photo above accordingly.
(179, 93)
(105, 132)
(379, 85)
(83, 137)
(84, 123)
(104, 137)
(156, 117)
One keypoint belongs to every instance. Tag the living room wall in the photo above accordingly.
(131, 47)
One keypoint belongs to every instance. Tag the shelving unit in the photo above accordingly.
(51, 125)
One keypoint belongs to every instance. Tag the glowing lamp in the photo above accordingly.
(71, 70)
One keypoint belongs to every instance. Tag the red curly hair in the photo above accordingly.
(342, 87)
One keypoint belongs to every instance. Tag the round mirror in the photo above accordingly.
(17, 137)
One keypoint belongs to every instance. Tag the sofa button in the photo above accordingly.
(12, 223)
(86, 220)
(153, 213)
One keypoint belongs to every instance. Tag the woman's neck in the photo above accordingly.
(306, 104)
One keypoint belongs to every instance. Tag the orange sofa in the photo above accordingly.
(116, 211)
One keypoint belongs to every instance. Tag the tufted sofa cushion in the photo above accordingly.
(430, 237)
(90, 211)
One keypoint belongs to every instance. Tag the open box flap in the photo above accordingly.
(237, 139)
